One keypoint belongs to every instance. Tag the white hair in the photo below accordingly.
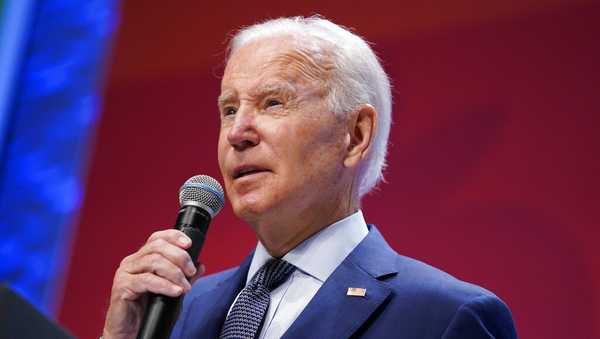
(358, 78)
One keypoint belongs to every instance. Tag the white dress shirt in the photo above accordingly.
(315, 259)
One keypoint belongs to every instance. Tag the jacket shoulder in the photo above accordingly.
(431, 282)
(422, 291)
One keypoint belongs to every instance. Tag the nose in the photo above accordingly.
(242, 134)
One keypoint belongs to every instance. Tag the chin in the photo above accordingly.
(249, 209)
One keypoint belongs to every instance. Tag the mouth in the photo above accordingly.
(243, 171)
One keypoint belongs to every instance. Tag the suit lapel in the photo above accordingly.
(332, 313)
(208, 310)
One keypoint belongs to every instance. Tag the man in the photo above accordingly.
(305, 115)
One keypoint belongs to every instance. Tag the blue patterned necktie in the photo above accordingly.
(248, 311)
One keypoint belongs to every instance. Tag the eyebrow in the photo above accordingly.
(226, 97)
(278, 88)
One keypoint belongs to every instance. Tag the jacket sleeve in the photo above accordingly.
(483, 317)
(178, 327)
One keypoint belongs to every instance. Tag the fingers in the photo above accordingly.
(170, 244)
(161, 266)
(153, 254)
(148, 282)
(173, 236)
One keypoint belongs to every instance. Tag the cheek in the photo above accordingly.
(321, 142)
(276, 141)
(316, 153)
(222, 150)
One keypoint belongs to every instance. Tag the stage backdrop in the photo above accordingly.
(493, 166)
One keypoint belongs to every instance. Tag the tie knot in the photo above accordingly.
(273, 273)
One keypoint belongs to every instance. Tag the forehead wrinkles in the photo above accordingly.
(305, 64)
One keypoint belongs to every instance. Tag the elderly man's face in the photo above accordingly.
(281, 150)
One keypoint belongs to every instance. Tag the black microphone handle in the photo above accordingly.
(162, 311)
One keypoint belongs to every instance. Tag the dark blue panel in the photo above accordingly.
(51, 123)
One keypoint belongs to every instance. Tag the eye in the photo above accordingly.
(272, 102)
(229, 110)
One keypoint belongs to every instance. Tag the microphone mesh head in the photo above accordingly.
(202, 191)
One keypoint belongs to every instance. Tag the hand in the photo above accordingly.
(161, 266)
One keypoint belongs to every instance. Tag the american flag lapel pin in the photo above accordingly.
(356, 291)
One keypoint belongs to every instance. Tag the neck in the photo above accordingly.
(283, 236)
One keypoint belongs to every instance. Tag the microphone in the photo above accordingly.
(201, 198)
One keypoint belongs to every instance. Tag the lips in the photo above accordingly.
(246, 170)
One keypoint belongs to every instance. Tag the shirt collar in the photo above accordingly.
(319, 255)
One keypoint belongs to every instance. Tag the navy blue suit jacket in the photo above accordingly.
(404, 298)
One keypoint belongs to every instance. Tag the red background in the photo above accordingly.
(493, 171)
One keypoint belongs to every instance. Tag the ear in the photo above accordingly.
(361, 129)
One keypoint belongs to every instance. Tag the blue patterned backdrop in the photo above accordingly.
(50, 126)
